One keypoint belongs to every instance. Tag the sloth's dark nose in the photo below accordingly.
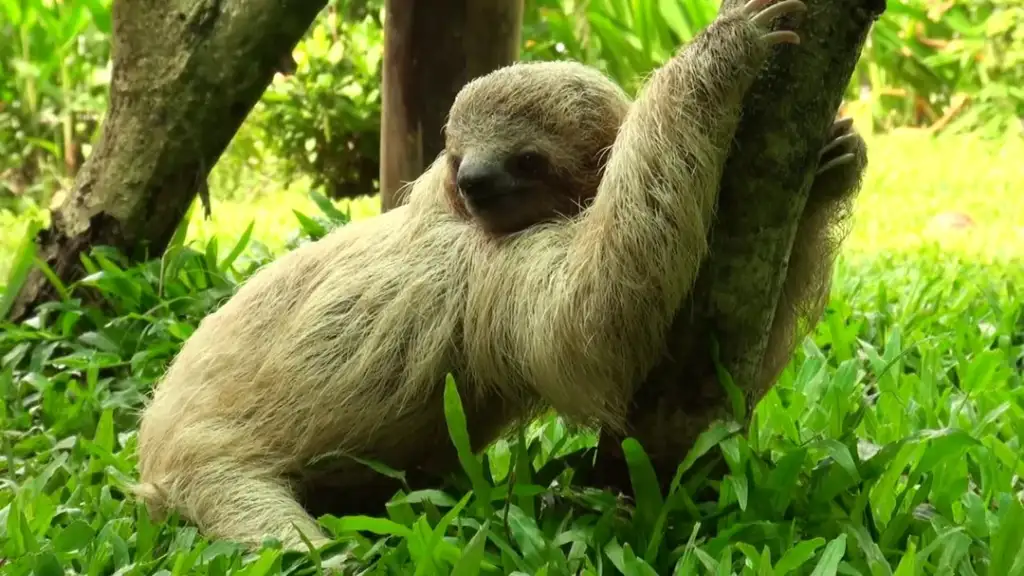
(481, 179)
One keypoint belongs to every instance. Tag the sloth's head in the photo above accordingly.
(526, 143)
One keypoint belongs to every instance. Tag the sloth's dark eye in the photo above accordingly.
(529, 164)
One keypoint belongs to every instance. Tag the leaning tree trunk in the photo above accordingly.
(431, 49)
(185, 75)
(763, 192)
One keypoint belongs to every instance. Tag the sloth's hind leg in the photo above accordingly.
(823, 226)
(227, 483)
(245, 504)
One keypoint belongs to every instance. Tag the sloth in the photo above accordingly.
(539, 260)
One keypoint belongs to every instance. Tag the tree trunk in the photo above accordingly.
(432, 48)
(763, 191)
(185, 75)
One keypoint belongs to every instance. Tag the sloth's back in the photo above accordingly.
(323, 347)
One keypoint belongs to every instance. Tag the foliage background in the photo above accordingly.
(941, 65)
(892, 444)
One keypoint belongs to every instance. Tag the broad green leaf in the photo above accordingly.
(798, 555)
(236, 251)
(459, 434)
(47, 564)
(1009, 538)
(907, 565)
(828, 565)
(473, 554)
(75, 536)
(646, 492)
(20, 268)
(364, 524)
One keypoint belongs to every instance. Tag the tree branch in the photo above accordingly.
(185, 76)
(763, 192)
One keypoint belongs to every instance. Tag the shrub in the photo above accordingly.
(323, 122)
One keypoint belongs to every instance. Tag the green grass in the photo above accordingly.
(912, 178)
(891, 445)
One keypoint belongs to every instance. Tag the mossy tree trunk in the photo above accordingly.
(763, 192)
(185, 75)
(431, 49)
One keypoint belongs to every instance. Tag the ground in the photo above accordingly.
(891, 444)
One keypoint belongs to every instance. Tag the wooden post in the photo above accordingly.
(431, 49)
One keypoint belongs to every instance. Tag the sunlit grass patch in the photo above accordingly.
(917, 185)
(272, 214)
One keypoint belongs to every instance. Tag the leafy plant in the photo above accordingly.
(952, 66)
(939, 64)
(626, 38)
(323, 122)
(945, 64)
(52, 89)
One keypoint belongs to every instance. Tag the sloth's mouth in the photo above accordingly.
(490, 197)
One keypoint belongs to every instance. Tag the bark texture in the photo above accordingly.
(185, 75)
(764, 189)
(432, 48)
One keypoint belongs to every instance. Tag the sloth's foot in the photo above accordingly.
(841, 163)
(841, 147)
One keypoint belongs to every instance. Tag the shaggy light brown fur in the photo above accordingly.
(558, 298)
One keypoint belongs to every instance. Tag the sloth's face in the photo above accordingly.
(507, 192)
(525, 143)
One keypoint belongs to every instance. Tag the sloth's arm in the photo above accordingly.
(595, 298)
(656, 200)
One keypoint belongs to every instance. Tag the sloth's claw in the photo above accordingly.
(782, 36)
(837, 142)
(841, 125)
(837, 161)
(837, 148)
(763, 12)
